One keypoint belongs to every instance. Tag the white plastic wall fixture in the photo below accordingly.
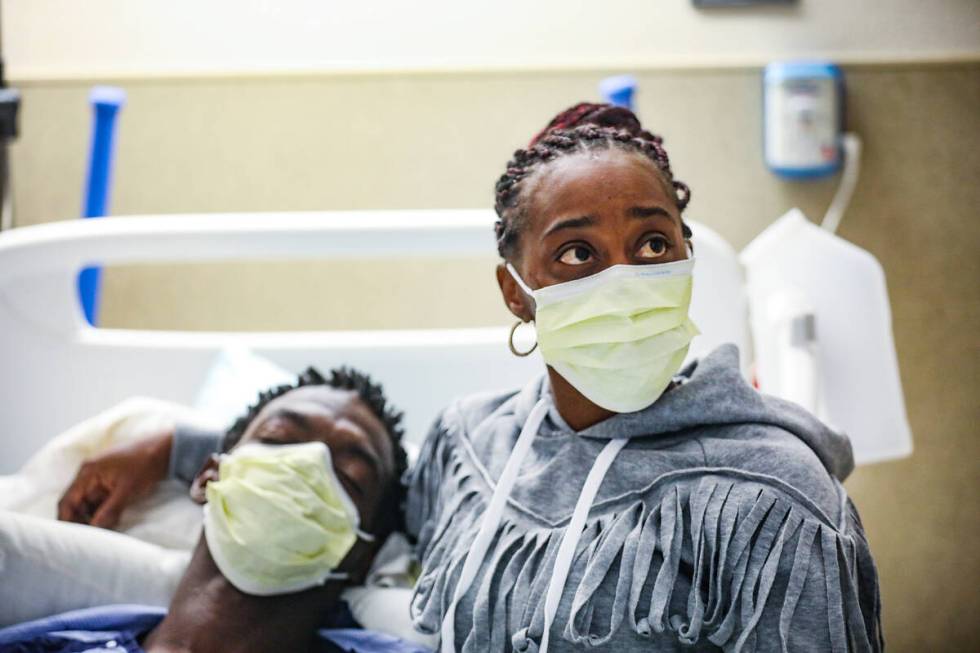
(55, 370)
(794, 263)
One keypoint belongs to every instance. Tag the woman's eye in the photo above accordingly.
(654, 247)
(576, 255)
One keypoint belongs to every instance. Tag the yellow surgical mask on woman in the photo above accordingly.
(618, 336)
(278, 520)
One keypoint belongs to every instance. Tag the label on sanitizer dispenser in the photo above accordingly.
(801, 116)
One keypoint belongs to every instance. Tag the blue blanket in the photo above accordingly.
(118, 629)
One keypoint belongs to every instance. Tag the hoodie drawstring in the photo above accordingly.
(491, 521)
(573, 533)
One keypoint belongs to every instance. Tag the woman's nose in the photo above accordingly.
(620, 258)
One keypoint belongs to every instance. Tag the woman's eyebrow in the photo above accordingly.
(648, 212)
(571, 223)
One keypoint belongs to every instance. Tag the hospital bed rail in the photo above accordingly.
(56, 370)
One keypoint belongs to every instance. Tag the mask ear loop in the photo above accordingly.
(364, 535)
(510, 340)
(343, 575)
(520, 282)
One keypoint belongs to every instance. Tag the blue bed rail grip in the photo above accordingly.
(618, 90)
(106, 102)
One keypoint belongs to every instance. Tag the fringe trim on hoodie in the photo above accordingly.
(750, 545)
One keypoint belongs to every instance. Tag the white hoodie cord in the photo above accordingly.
(491, 521)
(573, 533)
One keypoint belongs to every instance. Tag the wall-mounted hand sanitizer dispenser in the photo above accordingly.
(803, 104)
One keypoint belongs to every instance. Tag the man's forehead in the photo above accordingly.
(325, 394)
(341, 404)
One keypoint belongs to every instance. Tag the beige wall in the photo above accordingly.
(64, 38)
(426, 140)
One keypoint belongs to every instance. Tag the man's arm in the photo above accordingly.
(190, 450)
(109, 482)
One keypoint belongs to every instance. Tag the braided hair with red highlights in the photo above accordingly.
(583, 127)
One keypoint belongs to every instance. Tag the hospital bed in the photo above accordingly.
(56, 370)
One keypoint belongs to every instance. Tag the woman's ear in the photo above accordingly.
(208, 473)
(514, 297)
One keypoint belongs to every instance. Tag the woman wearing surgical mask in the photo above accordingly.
(617, 501)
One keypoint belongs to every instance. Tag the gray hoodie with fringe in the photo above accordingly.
(722, 525)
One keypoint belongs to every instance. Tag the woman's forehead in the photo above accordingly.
(590, 179)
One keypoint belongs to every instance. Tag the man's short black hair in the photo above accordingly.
(391, 511)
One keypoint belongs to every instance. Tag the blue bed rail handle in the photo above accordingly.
(106, 102)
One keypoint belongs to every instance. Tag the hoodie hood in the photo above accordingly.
(711, 392)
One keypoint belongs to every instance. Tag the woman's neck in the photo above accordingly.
(577, 411)
(208, 614)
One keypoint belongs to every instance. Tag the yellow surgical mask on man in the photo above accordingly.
(618, 336)
(278, 520)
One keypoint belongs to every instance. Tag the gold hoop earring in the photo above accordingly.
(510, 342)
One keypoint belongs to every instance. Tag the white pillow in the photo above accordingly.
(383, 602)
(387, 610)
(168, 517)
(48, 567)
(233, 384)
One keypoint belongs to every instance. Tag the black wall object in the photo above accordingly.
(740, 3)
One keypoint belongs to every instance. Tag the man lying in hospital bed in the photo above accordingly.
(314, 463)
